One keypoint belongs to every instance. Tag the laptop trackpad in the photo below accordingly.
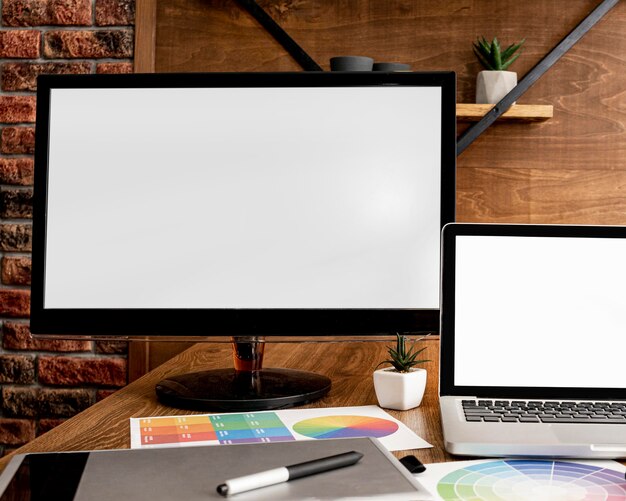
(598, 435)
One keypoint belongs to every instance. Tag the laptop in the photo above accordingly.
(533, 340)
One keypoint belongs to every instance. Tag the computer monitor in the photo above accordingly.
(241, 204)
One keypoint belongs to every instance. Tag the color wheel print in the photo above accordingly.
(345, 427)
(525, 480)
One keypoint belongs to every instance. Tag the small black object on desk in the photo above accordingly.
(413, 464)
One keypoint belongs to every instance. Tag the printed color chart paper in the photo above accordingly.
(273, 426)
(526, 480)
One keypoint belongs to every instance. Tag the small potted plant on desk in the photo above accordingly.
(494, 83)
(401, 386)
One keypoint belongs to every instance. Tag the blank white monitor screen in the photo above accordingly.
(243, 198)
(540, 312)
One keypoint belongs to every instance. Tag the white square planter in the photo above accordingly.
(399, 390)
(491, 86)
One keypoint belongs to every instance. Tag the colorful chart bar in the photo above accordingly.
(214, 429)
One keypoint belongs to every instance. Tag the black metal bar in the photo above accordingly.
(280, 35)
(533, 75)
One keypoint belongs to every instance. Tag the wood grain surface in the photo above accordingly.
(569, 169)
(516, 113)
(105, 425)
(145, 35)
(349, 365)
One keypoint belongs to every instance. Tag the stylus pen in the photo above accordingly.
(287, 473)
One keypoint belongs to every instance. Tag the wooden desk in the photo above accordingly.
(105, 425)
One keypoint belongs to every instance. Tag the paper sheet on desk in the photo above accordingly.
(274, 426)
(525, 480)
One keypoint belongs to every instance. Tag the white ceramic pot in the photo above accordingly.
(399, 390)
(492, 86)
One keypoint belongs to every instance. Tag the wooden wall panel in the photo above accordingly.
(145, 35)
(570, 169)
(586, 196)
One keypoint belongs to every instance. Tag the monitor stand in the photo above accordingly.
(246, 387)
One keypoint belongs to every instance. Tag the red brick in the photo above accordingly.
(115, 12)
(16, 431)
(16, 203)
(17, 171)
(112, 347)
(44, 402)
(45, 425)
(23, 76)
(17, 140)
(16, 109)
(88, 44)
(102, 394)
(46, 12)
(114, 68)
(16, 336)
(15, 270)
(16, 237)
(19, 369)
(20, 44)
(19, 401)
(14, 303)
(66, 371)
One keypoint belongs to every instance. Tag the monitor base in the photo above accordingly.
(232, 390)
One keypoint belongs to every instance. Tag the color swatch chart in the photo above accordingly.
(219, 428)
(532, 480)
(273, 426)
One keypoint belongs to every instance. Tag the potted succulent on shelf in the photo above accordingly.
(494, 82)
(402, 385)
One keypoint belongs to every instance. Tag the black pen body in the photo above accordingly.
(287, 473)
(324, 464)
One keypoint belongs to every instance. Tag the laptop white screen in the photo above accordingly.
(540, 312)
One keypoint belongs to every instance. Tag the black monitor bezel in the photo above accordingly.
(203, 322)
(447, 344)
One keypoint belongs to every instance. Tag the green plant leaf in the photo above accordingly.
(482, 60)
(507, 64)
(420, 350)
(486, 46)
(401, 358)
(383, 362)
(401, 349)
(491, 56)
(510, 50)
(495, 55)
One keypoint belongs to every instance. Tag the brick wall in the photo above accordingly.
(43, 382)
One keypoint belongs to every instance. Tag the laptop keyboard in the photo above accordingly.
(535, 411)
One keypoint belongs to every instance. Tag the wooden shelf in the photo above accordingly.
(516, 113)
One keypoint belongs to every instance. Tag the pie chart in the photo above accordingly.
(345, 427)
(533, 480)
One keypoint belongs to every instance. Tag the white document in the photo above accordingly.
(274, 426)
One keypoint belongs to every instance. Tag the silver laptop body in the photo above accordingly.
(533, 340)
